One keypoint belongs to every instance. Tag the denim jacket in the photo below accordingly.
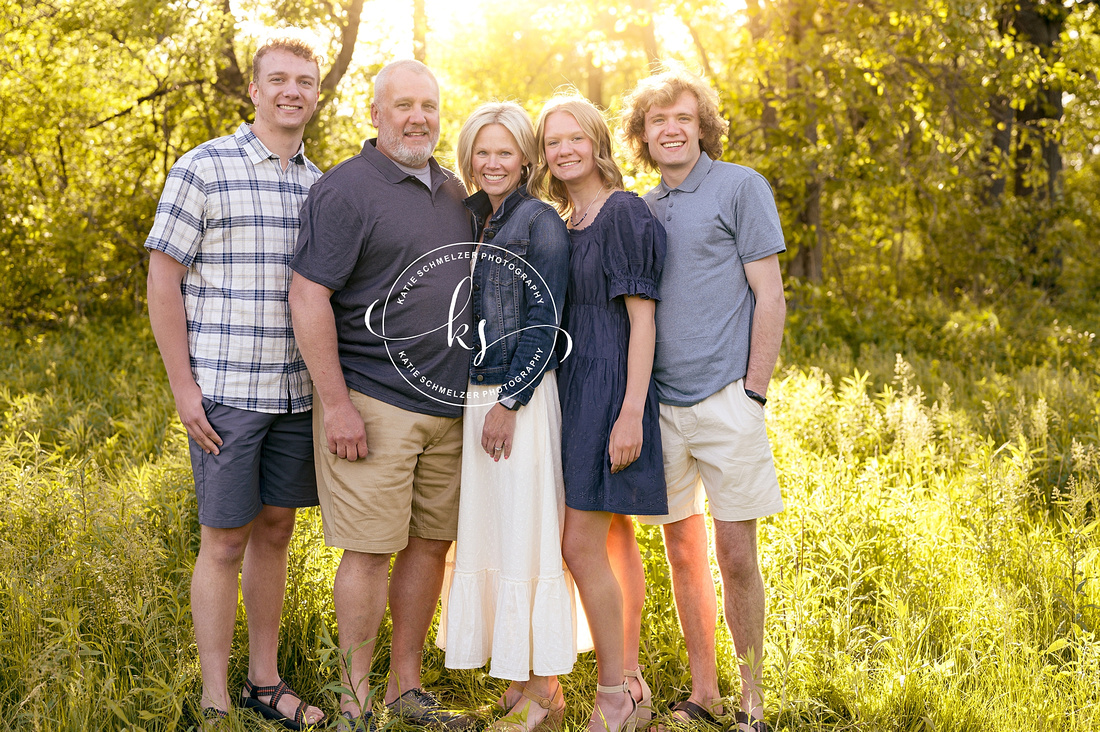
(519, 280)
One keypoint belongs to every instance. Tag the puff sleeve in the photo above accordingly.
(634, 248)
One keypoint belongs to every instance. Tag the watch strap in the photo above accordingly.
(756, 397)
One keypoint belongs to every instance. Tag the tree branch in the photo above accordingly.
(349, 34)
(147, 98)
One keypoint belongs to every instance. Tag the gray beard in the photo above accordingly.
(395, 147)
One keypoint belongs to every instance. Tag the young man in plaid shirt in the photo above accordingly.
(220, 246)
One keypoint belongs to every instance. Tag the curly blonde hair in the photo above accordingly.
(662, 90)
(594, 127)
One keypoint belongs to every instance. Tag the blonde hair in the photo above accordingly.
(511, 117)
(662, 90)
(297, 41)
(594, 127)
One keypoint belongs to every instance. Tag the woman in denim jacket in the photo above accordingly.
(509, 597)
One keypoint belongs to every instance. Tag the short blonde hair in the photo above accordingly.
(511, 117)
(594, 127)
(297, 41)
(662, 90)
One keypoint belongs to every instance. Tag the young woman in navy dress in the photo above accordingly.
(611, 442)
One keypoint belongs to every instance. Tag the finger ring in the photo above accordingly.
(497, 449)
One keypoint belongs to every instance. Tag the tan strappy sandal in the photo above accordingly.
(645, 704)
(630, 724)
(516, 721)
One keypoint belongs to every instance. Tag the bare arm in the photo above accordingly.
(626, 434)
(169, 322)
(315, 332)
(766, 281)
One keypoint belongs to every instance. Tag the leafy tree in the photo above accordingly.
(99, 99)
(947, 147)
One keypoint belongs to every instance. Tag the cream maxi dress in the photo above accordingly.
(507, 596)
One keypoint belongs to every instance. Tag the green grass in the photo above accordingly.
(937, 566)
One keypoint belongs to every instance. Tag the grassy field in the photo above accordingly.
(937, 566)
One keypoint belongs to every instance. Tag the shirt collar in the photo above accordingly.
(693, 180)
(257, 152)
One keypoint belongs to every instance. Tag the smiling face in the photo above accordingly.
(284, 91)
(569, 152)
(407, 118)
(497, 163)
(672, 134)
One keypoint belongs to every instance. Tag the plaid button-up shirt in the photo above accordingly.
(229, 213)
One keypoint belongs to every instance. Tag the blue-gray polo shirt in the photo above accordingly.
(375, 234)
(719, 218)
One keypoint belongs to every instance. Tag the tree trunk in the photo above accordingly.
(1040, 24)
(349, 34)
(230, 81)
(996, 162)
(649, 34)
(595, 81)
(769, 120)
(1039, 177)
(808, 255)
(420, 31)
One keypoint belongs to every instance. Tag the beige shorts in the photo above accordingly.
(407, 485)
(718, 450)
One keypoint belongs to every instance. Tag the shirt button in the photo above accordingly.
(671, 204)
(668, 218)
(480, 378)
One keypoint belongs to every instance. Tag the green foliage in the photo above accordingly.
(98, 98)
(937, 564)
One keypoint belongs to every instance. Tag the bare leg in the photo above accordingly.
(626, 563)
(359, 594)
(214, 607)
(263, 584)
(696, 605)
(584, 547)
(414, 592)
(743, 600)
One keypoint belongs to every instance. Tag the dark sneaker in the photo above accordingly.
(421, 708)
(366, 723)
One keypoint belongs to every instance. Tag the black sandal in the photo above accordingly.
(695, 713)
(211, 714)
(250, 699)
(754, 724)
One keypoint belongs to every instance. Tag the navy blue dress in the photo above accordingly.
(620, 253)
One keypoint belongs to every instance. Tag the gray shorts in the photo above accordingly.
(264, 460)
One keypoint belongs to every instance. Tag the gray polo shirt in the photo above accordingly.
(718, 219)
(377, 235)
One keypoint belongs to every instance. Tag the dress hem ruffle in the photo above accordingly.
(522, 626)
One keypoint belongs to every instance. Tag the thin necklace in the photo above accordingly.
(577, 223)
